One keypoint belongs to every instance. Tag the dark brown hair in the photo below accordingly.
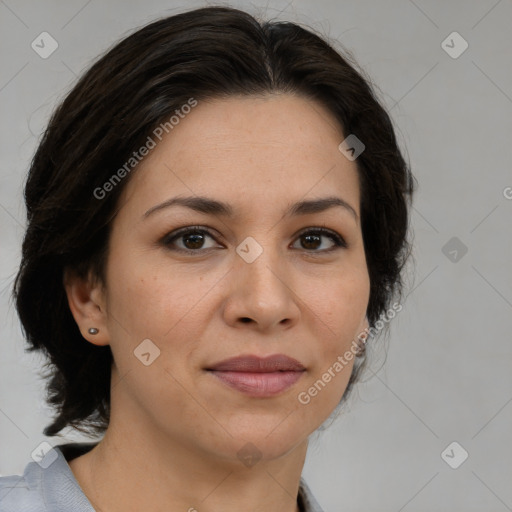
(206, 53)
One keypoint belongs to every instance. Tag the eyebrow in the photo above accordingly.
(210, 206)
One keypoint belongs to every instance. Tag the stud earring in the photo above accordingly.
(93, 330)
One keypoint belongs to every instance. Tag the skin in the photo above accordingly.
(175, 429)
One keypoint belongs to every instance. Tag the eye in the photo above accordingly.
(311, 240)
(192, 239)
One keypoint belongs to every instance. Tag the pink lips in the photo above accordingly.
(259, 377)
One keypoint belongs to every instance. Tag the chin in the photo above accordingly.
(264, 438)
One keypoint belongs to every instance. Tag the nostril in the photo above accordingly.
(245, 319)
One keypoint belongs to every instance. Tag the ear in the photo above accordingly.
(87, 302)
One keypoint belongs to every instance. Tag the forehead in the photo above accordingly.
(248, 151)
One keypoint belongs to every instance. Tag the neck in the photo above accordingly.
(138, 468)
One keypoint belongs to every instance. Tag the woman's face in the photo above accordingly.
(257, 280)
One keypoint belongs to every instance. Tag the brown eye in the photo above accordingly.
(193, 240)
(188, 240)
(311, 240)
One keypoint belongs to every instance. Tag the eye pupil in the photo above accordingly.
(315, 238)
(197, 241)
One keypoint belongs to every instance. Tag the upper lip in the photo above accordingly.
(255, 364)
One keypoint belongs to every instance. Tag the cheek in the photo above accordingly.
(338, 312)
(341, 307)
(339, 315)
(149, 300)
(170, 308)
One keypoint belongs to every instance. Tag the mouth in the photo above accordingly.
(258, 377)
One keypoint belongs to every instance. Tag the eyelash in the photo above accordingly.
(338, 240)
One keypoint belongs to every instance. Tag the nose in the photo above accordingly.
(261, 295)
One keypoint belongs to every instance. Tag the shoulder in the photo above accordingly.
(22, 493)
(47, 485)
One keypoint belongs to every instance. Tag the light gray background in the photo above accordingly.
(448, 374)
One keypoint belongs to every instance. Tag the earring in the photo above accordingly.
(93, 330)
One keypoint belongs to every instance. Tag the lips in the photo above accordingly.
(255, 364)
(258, 377)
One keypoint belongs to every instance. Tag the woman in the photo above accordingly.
(217, 221)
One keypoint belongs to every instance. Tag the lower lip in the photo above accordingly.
(259, 384)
